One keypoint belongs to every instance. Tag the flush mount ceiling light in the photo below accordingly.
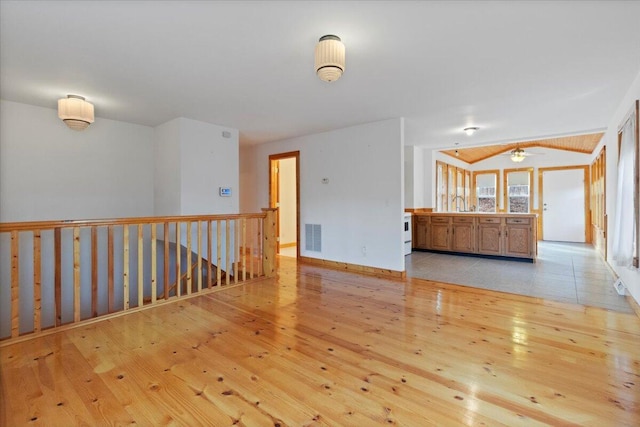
(470, 130)
(75, 112)
(329, 58)
(517, 155)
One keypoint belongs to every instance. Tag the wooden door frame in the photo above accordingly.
(274, 180)
(587, 198)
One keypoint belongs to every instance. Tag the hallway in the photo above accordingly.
(565, 272)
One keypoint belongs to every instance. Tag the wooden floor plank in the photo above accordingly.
(322, 347)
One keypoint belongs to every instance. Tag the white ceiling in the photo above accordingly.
(517, 70)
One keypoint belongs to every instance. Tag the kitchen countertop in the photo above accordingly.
(497, 214)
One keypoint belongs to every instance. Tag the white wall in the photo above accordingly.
(248, 187)
(50, 172)
(208, 161)
(362, 205)
(415, 190)
(629, 276)
(167, 169)
(409, 179)
(192, 161)
(287, 192)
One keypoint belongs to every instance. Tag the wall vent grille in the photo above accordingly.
(313, 237)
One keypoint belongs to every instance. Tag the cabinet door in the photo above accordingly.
(439, 233)
(490, 238)
(518, 240)
(462, 237)
(421, 233)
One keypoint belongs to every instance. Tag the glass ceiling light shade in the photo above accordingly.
(470, 130)
(329, 58)
(75, 112)
(517, 155)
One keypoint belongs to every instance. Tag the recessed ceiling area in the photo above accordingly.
(578, 143)
(517, 70)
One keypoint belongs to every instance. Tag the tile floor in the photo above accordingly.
(565, 272)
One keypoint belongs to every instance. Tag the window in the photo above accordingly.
(467, 189)
(598, 190)
(518, 192)
(452, 188)
(486, 184)
(441, 187)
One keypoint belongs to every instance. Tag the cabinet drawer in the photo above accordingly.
(523, 221)
(463, 220)
(489, 220)
(439, 219)
(422, 218)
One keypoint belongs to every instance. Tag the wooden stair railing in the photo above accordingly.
(56, 274)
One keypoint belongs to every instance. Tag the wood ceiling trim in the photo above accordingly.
(584, 144)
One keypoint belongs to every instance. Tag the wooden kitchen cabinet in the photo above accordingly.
(462, 234)
(490, 236)
(517, 237)
(508, 235)
(421, 228)
(439, 233)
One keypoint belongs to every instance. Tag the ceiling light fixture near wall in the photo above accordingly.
(330, 55)
(471, 130)
(75, 112)
(517, 155)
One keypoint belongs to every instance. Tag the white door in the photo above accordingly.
(563, 205)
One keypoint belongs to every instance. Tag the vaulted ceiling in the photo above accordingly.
(519, 70)
(577, 143)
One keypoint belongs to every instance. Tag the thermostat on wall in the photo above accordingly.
(225, 192)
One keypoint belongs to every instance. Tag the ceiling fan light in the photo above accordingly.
(75, 112)
(329, 58)
(517, 155)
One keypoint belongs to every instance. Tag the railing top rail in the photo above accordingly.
(44, 225)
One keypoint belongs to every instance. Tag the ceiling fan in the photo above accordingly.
(518, 154)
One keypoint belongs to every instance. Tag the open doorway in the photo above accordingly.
(284, 194)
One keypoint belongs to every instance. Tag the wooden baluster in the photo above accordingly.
(252, 223)
(259, 222)
(154, 263)
(15, 284)
(125, 266)
(243, 221)
(269, 242)
(166, 260)
(110, 267)
(94, 271)
(199, 256)
(76, 274)
(57, 275)
(236, 250)
(37, 282)
(228, 243)
(140, 265)
(189, 265)
(178, 263)
(209, 244)
(219, 253)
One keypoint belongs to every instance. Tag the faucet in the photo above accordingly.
(464, 205)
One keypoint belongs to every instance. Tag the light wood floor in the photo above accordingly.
(323, 347)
